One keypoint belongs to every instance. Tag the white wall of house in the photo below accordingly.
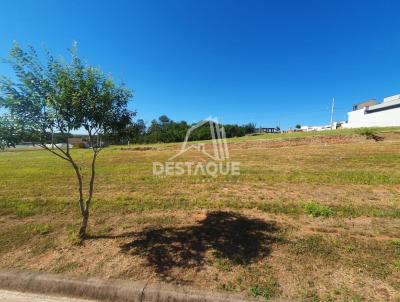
(318, 128)
(385, 118)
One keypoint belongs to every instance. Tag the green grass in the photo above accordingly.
(259, 282)
(314, 245)
(66, 267)
(318, 210)
(395, 243)
(42, 229)
(19, 236)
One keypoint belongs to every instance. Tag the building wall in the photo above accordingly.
(385, 118)
(391, 98)
(318, 128)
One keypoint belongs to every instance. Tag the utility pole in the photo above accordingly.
(333, 108)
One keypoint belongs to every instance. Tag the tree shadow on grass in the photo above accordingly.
(228, 235)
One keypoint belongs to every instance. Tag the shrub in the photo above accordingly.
(41, 229)
(318, 210)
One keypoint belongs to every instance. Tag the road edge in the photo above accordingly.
(109, 290)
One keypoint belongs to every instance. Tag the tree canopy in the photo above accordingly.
(10, 132)
(60, 97)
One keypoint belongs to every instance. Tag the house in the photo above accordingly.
(372, 114)
(78, 142)
(364, 104)
(267, 130)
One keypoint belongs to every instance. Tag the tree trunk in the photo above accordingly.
(82, 230)
(85, 207)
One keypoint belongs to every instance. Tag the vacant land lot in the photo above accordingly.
(313, 217)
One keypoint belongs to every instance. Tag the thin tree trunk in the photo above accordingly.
(80, 183)
(82, 230)
(91, 184)
(85, 215)
(84, 212)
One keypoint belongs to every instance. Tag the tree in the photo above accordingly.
(298, 126)
(10, 132)
(249, 128)
(164, 120)
(136, 131)
(234, 130)
(58, 97)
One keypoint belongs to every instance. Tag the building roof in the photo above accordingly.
(366, 101)
(364, 104)
(385, 105)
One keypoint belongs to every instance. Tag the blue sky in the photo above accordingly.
(268, 62)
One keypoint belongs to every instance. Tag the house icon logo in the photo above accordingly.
(219, 151)
(216, 151)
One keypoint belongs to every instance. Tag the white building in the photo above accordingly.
(371, 114)
(318, 128)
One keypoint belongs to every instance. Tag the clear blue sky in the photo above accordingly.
(267, 62)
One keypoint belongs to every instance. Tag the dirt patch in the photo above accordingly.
(301, 141)
(140, 148)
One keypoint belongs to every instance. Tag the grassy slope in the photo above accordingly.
(328, 205)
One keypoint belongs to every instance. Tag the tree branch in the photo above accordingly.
(54, 152)
(62, 151)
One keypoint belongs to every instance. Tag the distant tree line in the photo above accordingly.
(165, 130)
(162, 130)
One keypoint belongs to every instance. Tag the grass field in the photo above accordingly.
(312, 216)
